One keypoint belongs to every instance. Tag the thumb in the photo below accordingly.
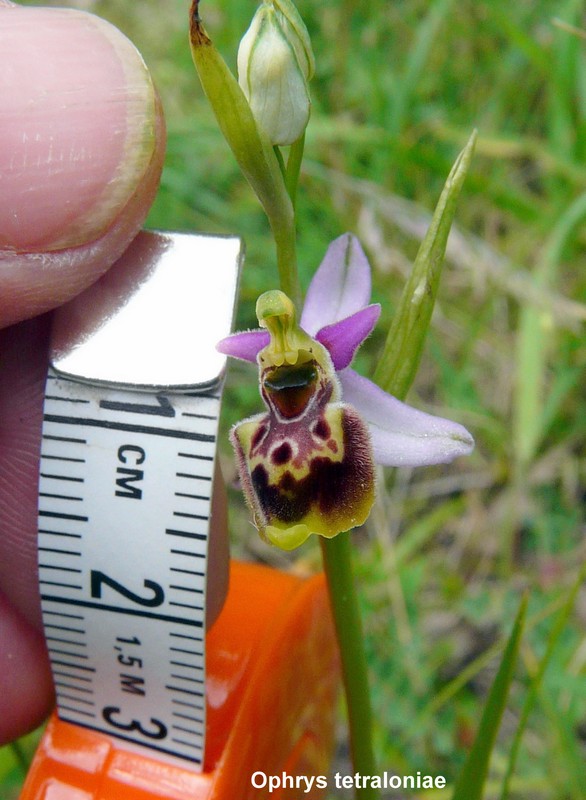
(81, 151)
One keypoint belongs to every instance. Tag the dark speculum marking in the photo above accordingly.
(321, 429)
(281, 454)
(258, 436)
(290, 388)
(331, 487)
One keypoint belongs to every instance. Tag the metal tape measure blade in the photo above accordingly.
(124, 500)
(125, 494)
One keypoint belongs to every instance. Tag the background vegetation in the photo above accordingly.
(448, 551)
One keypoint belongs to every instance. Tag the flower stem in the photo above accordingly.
(337, 558)
(284, 229)
(287, 261)
(279, 155)
(294, 167)
(20, 756)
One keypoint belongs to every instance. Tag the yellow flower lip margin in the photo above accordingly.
(293, 537)
(290, 538)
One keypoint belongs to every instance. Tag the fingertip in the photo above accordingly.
(23, 369)
(219, 551)
(77, 131)
(26, 686)
(81, 151)
(33, 283)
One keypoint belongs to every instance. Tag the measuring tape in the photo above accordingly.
(127, 463)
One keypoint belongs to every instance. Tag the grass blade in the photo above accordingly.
(406, 87)
(404, 344)
(533, 338)
(556, 631)
(470, 784)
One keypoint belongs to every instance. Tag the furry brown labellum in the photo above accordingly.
(306, 465)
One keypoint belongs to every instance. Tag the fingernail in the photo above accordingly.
(77, 128)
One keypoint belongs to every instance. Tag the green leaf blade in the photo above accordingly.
(404, 344)
(472, 778)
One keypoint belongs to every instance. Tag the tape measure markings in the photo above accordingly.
(125, 491)
(125, 664)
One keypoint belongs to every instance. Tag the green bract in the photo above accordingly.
(250, 144)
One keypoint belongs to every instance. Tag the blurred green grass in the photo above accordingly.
(448, 551)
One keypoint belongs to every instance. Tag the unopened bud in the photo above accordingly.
(275, 63)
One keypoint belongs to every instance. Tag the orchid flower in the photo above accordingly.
(307, 465)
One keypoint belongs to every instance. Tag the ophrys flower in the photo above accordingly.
(307, 464)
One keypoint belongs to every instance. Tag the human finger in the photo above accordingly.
(81, 151)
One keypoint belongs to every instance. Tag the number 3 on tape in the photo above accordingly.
(127, 464)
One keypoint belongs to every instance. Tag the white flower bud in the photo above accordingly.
(275, 62)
